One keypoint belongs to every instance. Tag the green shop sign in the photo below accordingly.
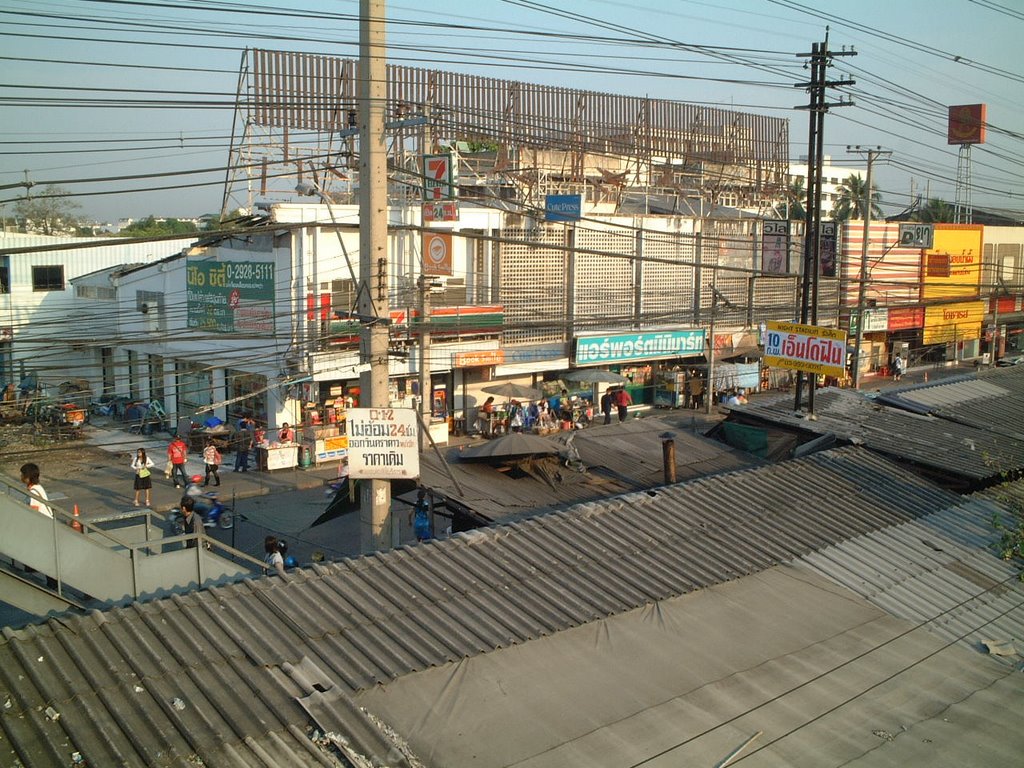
(231, 296)
(649, 345)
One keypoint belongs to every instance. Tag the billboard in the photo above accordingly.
(953, 322)
(807, 348)
(966, 124)
(827, 248)
(774, 247)
(438, 178)
(383, 443)
(952, 267)
(230, 296)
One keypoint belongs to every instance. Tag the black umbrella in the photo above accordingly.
(594, 376)
(514, 444)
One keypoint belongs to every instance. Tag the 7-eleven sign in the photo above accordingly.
(438, 178)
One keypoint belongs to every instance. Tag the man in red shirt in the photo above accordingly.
(177, 452)
(623, 401)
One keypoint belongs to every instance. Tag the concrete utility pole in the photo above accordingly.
(862, 288)
(426, 389)
(375, 524)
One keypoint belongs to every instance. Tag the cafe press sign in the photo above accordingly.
(649, 345)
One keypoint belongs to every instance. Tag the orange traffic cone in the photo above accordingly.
(74, 523)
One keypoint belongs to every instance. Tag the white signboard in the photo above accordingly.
(917, 235)
(383, 443)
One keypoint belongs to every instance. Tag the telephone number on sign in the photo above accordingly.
(248, 271)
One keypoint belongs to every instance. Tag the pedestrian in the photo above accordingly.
(606, 405)
(623, 401)
(143, 466)
(274, 558)
(212, 459)
(419, 517)
(897, 367)
(286, 434)
(177, 453)
(30, 477)
(243, 444)
(191, 523)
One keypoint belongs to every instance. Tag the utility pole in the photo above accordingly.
(375, 524)
(863, 282)
(426, 390)
(821, 60)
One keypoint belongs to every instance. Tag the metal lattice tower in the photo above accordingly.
(964, 211)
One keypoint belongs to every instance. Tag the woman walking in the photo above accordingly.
(143, 466)
(212, 459)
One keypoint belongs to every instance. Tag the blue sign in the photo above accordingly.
(647, 345)
(563, 207)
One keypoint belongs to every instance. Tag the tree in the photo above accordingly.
(50, 211)
(796, 196)
(850, 203)
(935, 211)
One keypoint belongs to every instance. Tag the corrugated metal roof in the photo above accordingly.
(241, 674)
(991, 400)
(953, 449)
(619, 458)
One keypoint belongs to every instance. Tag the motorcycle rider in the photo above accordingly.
(190, 521)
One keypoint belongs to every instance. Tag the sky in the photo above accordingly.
(130, 105)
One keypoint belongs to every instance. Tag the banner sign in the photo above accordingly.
(438, 178)
(827, 248)
(944, 323)
(436, 248)
(563, 207)
(441, 210)
(649, 345)
(230, 296)
(807, 348)
(966, 124)
(774, 247)
(383, 443)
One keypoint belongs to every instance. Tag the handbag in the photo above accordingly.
(144, 472)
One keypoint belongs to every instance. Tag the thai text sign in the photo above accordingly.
(231, 296)
(952, 267)
(649, 345)
(383, 443)
(944, 323)
(808, 348)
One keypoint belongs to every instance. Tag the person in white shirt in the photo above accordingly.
(274, 558)
(30, 477)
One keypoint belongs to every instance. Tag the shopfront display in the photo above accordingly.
(277, 456)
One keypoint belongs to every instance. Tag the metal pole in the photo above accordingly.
(709, 389)
(862, 288)
(426, 393)
(375, 501)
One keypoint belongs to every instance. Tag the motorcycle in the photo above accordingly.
(207, 505)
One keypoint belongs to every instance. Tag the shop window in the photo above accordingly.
(5, 279)
(48, 278)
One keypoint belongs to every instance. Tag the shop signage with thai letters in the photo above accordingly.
(647, 345)
(383, 443)
(809, 348)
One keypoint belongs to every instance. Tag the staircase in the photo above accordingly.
(47, 566)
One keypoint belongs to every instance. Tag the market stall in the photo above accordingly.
(277, 456)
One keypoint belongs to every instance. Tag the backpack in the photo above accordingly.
(217, 458)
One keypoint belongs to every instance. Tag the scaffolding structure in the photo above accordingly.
(514, 142)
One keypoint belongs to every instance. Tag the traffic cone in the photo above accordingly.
(75, 523)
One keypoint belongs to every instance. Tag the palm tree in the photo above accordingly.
(796, 196)
(850, 203)
(935, 211)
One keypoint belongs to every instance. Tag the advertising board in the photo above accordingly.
(807, 348)
(230, 296)
(383, 443)
(648, 345)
